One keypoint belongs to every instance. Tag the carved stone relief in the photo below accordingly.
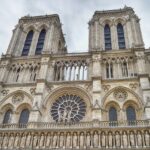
(120, 94)
(17, 98)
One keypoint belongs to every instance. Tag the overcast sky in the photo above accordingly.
(74, 15)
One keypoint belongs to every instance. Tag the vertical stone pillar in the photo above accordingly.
(34, 43)
(37, 104)
(14, 39)
(96, 75)
(114, 38)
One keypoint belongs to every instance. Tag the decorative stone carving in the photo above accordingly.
(68, 140)
(23, 141)
(110, 139)
(48, 140)
(147, 138)
(11, 141)
(103, 138)
(17, 98)
(68, 108)
(132, 139)
(35, 140)
(42, 139)
(32, 91)
(95, 139)
(120, 94)
(139, 139)
(61, 140)
(125, 140)
(106, 87)
(17, 139)
(96, 105)
(75, 140)
(55, 138)
(117, 138)
(5, 141)
(81, 142)
(133, 86)
(28, 140)
(4, 92)
(88, 140)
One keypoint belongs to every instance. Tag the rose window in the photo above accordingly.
(68, 108)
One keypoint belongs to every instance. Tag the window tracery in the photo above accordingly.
(68, 108)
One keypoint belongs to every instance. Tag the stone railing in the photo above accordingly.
(87, 135)
(80, 125)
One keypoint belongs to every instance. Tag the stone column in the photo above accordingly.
(35, 114)
(34, 43)
(14, 39)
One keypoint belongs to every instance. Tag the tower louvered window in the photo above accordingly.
(107, 36)
(40, 43)
(121, 39)
(27, 43)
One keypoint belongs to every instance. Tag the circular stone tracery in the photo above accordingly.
(68, 108)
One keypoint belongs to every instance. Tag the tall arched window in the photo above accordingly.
(131, 115)
(24, 116)
(40, 43)
(107, 35)
(7, 117)
(121, 39)
(27, 43)
(112, 114)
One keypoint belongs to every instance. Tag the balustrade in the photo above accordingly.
(71, 70)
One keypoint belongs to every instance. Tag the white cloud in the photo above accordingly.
(74, 15)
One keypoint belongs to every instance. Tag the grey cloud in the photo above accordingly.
(74, 15)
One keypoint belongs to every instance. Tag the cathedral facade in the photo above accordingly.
(52, 99)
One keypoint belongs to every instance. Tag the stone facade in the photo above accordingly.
(98, 99)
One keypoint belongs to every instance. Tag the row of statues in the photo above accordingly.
(75, 140)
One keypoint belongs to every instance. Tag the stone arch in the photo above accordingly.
(7, 107)
(16, 92)
(43, 26)
(23, 106)
(140, 102)
(120, 20)
(138, 109)
(65, 90)
(107, 21)
(28, 28)
(71, 90)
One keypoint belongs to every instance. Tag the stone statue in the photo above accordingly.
(117, 138)
(5, 141)
(23, 141)
(11, 141)
(16, 143)
(42, 140)
(139, 139)
(75, 140)
(95, 140)
(132, 140)
(28, 140)
(54, 144)
(88, 140)
(61, 140)
(68, 140)
(125, 139)
(147, 142)
(35, 141)
(81, 140)
(103, 139)
(48, 140)
(1, 140)
(110, 139)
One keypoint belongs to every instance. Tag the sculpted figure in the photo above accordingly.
(16, 143)
(103, 137)
(28, 140)
(81, 140)
(61, 140)
(117, 139)
(110, 139)
(95, 139)
(11, 141)
(75, 140)
(1, 140)
(48, 140)
(23, 140)
(132, 140)
(68, 141)
(147, 142)
(139, 139)
(5, 141)
(125, 139)
(42, 140)
(88, 140)
(35, 140)
(54, 144)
